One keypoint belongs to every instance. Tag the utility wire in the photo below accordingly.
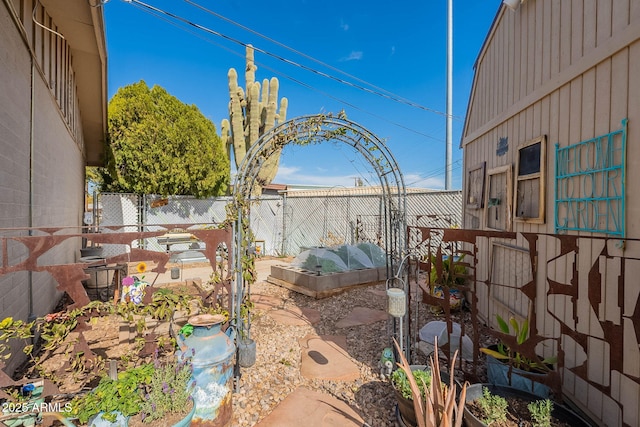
(397, 98)
(299, 82)
(288, 61)
(437, 172)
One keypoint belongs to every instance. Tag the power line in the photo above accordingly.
(286, 76)
(395, 97)
(288, 61)
(159, 15)
(437, 172)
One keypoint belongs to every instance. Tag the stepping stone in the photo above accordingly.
(296, 316)
(266, 302)
(325, 357)
(378, 292)
(311, 409)
(362, 316)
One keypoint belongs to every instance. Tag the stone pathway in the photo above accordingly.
(323, 357)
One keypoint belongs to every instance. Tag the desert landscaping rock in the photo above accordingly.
(277, 373)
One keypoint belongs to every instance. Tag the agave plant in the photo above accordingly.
(438, 406)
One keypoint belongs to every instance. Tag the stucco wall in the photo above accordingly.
(52, 195)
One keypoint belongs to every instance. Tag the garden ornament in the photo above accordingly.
(386, 363)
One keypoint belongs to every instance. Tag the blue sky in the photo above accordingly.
(399, 49)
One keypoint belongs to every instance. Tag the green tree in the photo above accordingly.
(158, 145)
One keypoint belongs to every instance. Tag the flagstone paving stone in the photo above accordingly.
(296, 316)
(326, 357)
(311, 409)
(362, 316)
(266, 302)
(378, 292)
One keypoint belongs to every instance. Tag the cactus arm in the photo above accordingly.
(236, 117)
(250, 70)
(282, 115)
(272, 103)
(253, 114)
(225, 137)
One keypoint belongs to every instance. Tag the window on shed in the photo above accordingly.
(475, 186)
(497, 205)
(529, 194)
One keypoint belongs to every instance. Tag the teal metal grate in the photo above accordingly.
(590, 185)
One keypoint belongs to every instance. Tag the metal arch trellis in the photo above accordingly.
(312, 129)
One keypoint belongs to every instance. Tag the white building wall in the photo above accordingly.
(33, 131)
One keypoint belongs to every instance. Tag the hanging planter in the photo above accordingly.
(246, 352)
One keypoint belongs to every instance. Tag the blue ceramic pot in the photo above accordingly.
(186, 421)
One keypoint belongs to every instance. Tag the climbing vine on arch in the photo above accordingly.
(315, 129)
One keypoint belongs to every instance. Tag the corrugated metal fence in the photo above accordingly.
(285, 223)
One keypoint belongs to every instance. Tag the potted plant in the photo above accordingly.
(447, 272)
(540, 411)
(167, 396)
(402, 389)
(112, 402)
(489, 404)
(441, 405)
(506, 366)
(491, 408)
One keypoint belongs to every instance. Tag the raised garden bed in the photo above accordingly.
(326, 284)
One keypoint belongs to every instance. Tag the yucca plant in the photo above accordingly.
(438, 407)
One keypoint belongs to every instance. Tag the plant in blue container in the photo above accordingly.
(503, 352)
(508, 366)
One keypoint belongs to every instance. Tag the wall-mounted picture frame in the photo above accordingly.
(498, 199)
(475, 186)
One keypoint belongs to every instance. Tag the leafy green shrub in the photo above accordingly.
(493, 407)
(400, 381)
(541, 412)
(122, 395)
(326, 265)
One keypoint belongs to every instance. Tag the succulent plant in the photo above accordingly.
(252, 112)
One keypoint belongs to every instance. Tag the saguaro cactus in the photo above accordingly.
(252, 112)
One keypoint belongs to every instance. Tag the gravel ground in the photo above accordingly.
(276, 372)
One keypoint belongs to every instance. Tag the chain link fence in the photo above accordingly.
(282, 224)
